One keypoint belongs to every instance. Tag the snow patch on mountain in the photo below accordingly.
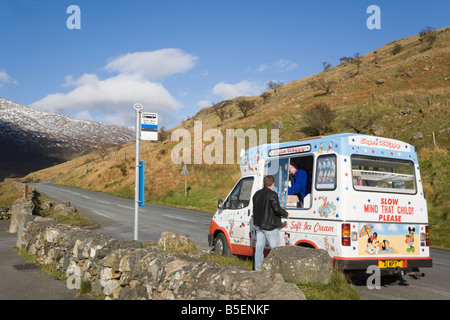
(31, 139)
(78, 135)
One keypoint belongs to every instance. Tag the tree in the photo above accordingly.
(272, 84)
(163, 134)
(428, 35)
(220, 111)
(266, 96)
(322, 84)
(318, 119)
(326, 66)
(344, 60)
(357, 61)
(245, 105)
(361, 121)
(397, 49)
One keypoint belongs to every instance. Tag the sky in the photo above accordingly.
(175, 57)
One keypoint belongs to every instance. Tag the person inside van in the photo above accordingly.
(299, 180)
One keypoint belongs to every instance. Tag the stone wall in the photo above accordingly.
(22, 209)
(122, 269)
(5, 213)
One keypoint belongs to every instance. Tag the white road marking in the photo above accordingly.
(178, 218)
(122, 206)
(101, 214)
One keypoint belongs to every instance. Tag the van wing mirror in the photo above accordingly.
(220, 203)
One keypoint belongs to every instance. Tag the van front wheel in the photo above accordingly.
(221, 245)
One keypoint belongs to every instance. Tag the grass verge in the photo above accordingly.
(72, 219)
(339, 287)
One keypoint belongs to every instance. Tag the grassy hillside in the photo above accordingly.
(400, 91)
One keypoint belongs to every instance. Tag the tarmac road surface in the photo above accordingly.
(116, 218)
(434, 286)
(116, 215)
(24, 281)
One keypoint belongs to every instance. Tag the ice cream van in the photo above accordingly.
(365, 204)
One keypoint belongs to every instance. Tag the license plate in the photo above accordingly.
(390, 264)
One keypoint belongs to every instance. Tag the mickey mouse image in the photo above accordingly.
(409, 239)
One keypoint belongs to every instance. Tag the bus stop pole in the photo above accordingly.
(136, 183)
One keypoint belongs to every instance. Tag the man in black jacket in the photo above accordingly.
(267, 214)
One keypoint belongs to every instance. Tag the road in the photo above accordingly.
(434, 286)
(116, 217)
(20, 280)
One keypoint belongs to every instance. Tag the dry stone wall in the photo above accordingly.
(22, 208)
(122, 269)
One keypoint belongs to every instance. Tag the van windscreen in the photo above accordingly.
(383, 174)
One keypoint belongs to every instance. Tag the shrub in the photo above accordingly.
(318, 119)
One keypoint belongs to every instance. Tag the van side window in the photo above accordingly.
(326, 172)
(241, 194)
(383, 174)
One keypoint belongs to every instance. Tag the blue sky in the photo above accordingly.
(176, 57)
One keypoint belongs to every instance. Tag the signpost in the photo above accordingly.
(138, 107)
(149, 126)
(146, 129)
(185, 172)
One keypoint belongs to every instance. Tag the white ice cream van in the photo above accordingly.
(365, 205)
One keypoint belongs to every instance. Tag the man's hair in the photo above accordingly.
(268, 181)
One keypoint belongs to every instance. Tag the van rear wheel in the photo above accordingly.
(221, 245)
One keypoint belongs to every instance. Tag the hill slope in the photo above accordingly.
(404, 96)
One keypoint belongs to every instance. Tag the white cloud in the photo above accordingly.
(204, 103)
(112, 99)
(279, 66)
(85, 79)
(5, 78)
(243, 88)
(153, 64)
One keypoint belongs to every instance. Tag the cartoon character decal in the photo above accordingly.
(251, 161)
(409, 239)
(321, 148)
(330, 146)
(329, 247)
(327, 208)
(386, 239)
(238, 232)
(287, 239)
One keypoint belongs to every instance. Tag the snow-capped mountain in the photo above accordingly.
(32, 139)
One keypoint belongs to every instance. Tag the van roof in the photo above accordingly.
(342, 143)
